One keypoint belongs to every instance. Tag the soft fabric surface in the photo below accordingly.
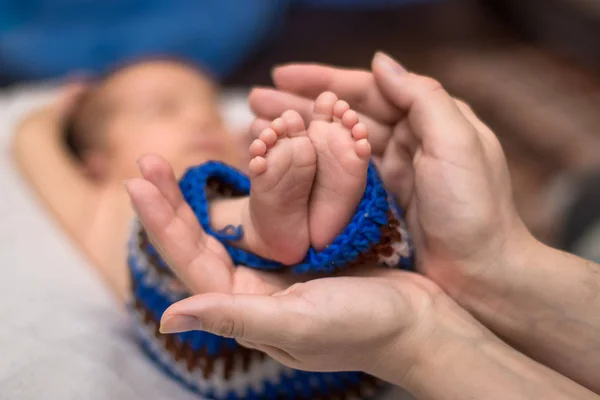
(63, 336)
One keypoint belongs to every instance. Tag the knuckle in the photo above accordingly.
(429, 84)
(462, 104)
(426, 88)
(294, 288)
(227, 327)
(465, 107)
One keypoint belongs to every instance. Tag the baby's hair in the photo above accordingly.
(81, 120)
(88, 116)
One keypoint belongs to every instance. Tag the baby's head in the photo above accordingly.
(164, 107)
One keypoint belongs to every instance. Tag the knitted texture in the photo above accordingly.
(218, 368)
(375, 232)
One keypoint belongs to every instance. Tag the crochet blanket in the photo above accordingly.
(218, 368)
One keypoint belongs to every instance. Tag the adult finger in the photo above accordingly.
(397, 172)
(273, 352)
(488, 137)
(157, 170)
(257, 126)
(269, 104)
(404, 137)
(162, 223)
(259, 319)
(434, 117)
(357, 87)
(201, 269)
(469, 114)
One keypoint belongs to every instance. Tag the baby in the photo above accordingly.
(161, 106)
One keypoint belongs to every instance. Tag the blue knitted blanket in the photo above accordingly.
(218, 368)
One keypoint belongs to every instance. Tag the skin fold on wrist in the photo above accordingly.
(495, 273)
(459, 358)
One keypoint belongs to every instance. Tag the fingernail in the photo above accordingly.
(387, 62)
(179, 323)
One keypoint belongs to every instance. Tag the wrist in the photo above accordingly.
(445, 346)
(494, 271)
(460, 358)
(454, 341)
(437, 325)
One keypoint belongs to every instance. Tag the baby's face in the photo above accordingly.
(167, 109)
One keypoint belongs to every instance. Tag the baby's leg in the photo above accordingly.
(282, 172)
(343, 154)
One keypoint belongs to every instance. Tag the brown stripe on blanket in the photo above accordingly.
(197, 359)
(390, 234)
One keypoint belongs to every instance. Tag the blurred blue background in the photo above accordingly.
(50, 38)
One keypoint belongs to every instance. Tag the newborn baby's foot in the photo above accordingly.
(343, 154)
(282, 171)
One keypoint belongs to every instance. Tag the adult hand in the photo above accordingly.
(446, 167)
(294, 325)
(453, 180)
(198, 259)
(341, 323)
(470, 239)
(449, 172)
(310, 325)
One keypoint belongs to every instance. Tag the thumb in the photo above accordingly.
(433, 115)
(254, 318)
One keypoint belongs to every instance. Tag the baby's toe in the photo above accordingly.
(350, 119)
(340, 108)
(258, 148)
(257, 166)
(359, 131)
(269, 137)
(363, 149)
(279, 127)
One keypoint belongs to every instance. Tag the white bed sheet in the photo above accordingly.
(62, 335)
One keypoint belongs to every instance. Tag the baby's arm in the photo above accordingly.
(44, 160)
